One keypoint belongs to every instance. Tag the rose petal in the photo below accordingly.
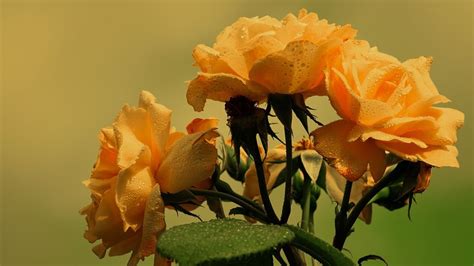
(351, 159)
(297, 68)
(199, 125)
(136, 127)
(108, 221)
(353, 107)
(244, 29)
(126, 245)
(345, 102)
(374, 81)
(134, 184)
(365, 133)
(448, 122)
(438, 156)
(99, 186)
(291, 30)
(129, 146)
(422, 107)
(230, 42)
(191, 160)
(159, 120)
(407, 126)
(106, 164)
(153, 225)
(418, 70)
(219, 87)
(260, 46)
(210, 60)
(173, 137)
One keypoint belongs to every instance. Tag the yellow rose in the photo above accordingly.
(139, 159)
(255, 57)
(385, 105)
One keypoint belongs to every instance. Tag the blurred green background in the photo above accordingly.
(68, 66)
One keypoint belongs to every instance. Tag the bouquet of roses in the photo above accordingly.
(381, 150)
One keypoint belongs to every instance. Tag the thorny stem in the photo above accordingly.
(285, 214)
(341, 218)
(223, 189)
(258, 213)
(359, 207)
(262, 184)
(382, 183)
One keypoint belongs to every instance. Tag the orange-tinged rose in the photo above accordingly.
(385, 105)
(139, 159)
(255, 57)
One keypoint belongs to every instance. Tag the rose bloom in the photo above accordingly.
(140, 158)
(385, 105)
(255, 57)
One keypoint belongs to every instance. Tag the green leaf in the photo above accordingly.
(223, 242)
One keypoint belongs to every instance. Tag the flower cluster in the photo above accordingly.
(389, 136)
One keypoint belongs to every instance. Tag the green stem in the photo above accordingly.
(318, 249)
(306, 200)
(341, 218)
(211, 193)
(285, 214)
(262, 184)
(381, 184)
(311, 231)
(222, 186)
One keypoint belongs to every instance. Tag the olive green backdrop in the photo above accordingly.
(67, 68)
